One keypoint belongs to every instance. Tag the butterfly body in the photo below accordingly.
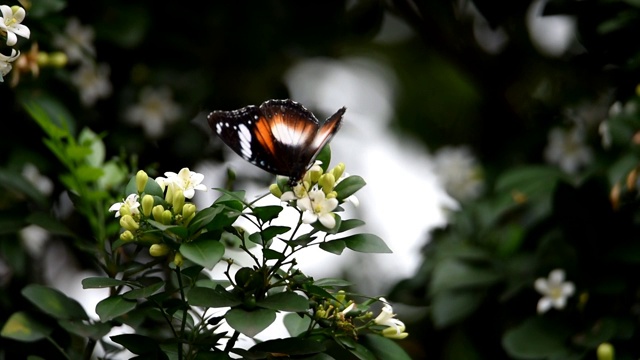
(279, 136)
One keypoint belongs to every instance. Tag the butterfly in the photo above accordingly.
(280, 136)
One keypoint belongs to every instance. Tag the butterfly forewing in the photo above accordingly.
(281, 136)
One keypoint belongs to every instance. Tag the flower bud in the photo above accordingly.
(147, 205)
(42, 59)
(614, 196)
(157, 250)
(331, 195)
(338, 170)
(188, 212)
(57, 59)
(327, 182)
(141, 180)
(178, 260)
(605, 351)
(275, 190)
(314, 174)
(157, 212)
(166, 217)
(126, 236)
(178, 201)
(632, 178)
(128, 223)
(125, 210)
(392, 333)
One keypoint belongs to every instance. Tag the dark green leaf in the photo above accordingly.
(267, 213)
(50, 114)
(449, 307)
(101, 282)
(95, 331)
(54, 302)
(207, 297)
(250, 323)
(140, 345)
(333, 246)
(49, 223)
(367, 243)
(114, 306)
(296, 324)
(203, 218)
(206, 253)
(285, 301)
(536, 338)
(349, 224)
(22, 327)
(349, 186)
(144, 292)
(384, 348)
(273, 231)
(290, 346)
(331, 282)
(453, 273)
(15, 181)
(272, 254)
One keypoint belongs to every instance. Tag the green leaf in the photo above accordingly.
(290, 346)
(49, 223)
(331, 282)
(367, 243)
(296, 324)
(453, 273)
(349, 224)
(95, 331)
(144, 292)
(333, 246)
(273, 231)
(93, 142)
(214, 298)
(449, 307)
(54, 302)
(285, 301)
(250, 323)
(267, 213)
(99, 282)
(324, 156)
(384, 348)
(349, 186)
(140, 345)
(50, 114)
(203, 218)
(272, 254)
(15, 181)
(114, 306)
(537, 338)
(20, 326)
(88, 173)
(205, 252)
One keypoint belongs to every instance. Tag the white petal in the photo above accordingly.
(6, 12)
(188, 193)
(556, 276)
(288, 196)
(541, 285)
(308, 217)
(12, 39)
(568, 289)
(305, 204)
(544, 304)
(329, 204)
(327, 220)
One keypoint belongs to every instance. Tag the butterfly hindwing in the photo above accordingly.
(280, 136)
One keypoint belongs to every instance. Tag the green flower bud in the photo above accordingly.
(275, 190)
(157, 212)
(332, 194)
(178, 260)
(125, 210)
(338, 170)
(127, 236)
(178, 201)
(327, 182)
(57, 59)
(188, 212)
(141, 180)
(605, 351)
(314, 174)
(158, 250)
(42, 58)
(128, 223)
(168, 197)
(147, 205)
(167, 217)
(392, 333)
(341, 296)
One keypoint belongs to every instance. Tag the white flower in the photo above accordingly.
(5, 62)
(317, 207)
(298, 192)
(76, 42)
(155, 109)
(458, 172)
(42, 183)
(131, 201)
(567, 149)
(92, 82)
(186, 180)
(555, 291)
(387, 318)
(10, 23)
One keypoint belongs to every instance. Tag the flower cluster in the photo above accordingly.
(11, 27)
(316, 194)
(161, 200)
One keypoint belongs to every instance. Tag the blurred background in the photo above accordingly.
(442, 98)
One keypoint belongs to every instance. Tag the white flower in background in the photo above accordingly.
(567, 149)
(155, 109)
(317, 207)
(92, 82)
(5, 62)
(186, 180)
(10, 23)
(76, 42)
(458, 172)
(42, 183)
(131, 202)
(554, 290)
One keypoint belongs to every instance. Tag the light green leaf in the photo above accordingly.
(22, 327)
(349, 186)
(54, 302)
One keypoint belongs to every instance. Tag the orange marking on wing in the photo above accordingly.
(263, 134)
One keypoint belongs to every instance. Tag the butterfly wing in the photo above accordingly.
(326, 132)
